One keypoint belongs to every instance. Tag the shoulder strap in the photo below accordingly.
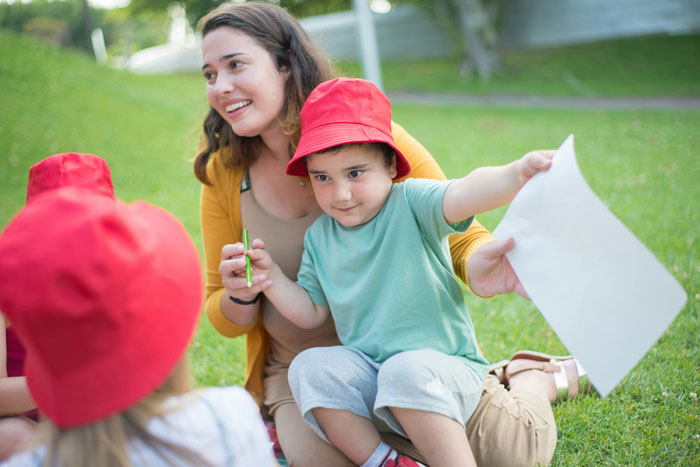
(245, 183)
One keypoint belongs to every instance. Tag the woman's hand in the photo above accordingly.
(490, 272)
(233, 269)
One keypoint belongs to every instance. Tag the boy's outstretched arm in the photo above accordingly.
(487, 188)
(289, 298)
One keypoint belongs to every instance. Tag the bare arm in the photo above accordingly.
(287, 296)
(294, 302)
(423, 165)
(487, 188)
(14, 393)
(15, 397)
(3, 347)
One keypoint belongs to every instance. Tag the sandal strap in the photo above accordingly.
(500, 374)
(584, 383)
(499, 371)
(526, 365)
(539, 356)
(561, 381)
(504, 370)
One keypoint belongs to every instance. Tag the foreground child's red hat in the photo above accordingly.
(105, 297)
(341, 111)
(70, 169)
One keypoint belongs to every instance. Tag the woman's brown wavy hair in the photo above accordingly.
(274, 29)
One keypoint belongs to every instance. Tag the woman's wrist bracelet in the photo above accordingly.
(245, 302)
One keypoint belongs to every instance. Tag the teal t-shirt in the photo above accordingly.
(389, 283)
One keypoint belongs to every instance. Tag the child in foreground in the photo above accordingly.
(18, 414)
(105, 299)
(409, 361)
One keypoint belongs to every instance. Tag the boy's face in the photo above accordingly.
(352, 183)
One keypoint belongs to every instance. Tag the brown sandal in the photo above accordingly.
(532, 361)
(525, 360)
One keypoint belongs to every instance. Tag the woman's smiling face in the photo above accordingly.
(244, 84)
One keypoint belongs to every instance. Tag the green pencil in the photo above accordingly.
(248, 277)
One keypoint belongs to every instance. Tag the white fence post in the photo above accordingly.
(98, 45)
(368, 42)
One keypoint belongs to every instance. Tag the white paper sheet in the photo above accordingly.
(601, 290)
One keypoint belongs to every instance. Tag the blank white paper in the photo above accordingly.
(601, 290)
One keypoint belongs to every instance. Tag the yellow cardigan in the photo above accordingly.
(221, 225)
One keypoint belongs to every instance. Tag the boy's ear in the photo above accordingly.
(392, 167)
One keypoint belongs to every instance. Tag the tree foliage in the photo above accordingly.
(63, 22)
(195, 9)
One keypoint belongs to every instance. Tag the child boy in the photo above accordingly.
(379, 262)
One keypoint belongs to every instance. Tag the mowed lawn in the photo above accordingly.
(645, 165)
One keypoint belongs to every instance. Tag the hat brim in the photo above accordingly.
(336, 134)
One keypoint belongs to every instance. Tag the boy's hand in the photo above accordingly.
(262, 265)
(532, 163)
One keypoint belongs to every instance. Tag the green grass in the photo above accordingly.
(645, 165)
(643, 66)
(145, 127)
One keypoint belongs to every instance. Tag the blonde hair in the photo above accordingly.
(104, 443)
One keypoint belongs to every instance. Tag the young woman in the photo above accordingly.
(259, 67)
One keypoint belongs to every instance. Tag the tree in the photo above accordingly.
(86, 26)
(65, 22)
(471, 26)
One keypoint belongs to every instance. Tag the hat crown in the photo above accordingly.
(346, 100)
(344, 111)
(70, 169)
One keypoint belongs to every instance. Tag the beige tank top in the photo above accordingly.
(284, 241)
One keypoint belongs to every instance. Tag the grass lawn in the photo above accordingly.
(645, 165)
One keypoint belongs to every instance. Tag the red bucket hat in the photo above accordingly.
(70, 169)
(341, 111)
(105, 299)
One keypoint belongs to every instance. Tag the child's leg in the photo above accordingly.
(434, 395)
(352, 434)
(300, 444)
(450, 447)
(335, 389)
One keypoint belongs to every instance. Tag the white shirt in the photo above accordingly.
(223, 425)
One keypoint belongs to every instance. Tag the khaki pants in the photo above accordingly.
(508, 428)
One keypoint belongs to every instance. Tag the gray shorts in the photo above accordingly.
(344, 378)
